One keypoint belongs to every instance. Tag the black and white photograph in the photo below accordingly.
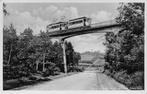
(62, 46)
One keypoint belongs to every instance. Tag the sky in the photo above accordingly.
(38, 15)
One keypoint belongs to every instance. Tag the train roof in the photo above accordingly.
(55, 23)
(69, 20)
(78, 18)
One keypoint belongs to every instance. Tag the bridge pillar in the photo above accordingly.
(64, 55)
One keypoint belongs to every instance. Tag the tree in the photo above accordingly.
(45, 46)
(72, 57)
(10, 41)
(76, 58)
(69, 53)
(57, 55)
(125, 50)
(131, 16)
(26, 51)
(5, 10)
(24, 44)
(27, 54)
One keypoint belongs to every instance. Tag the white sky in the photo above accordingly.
(38, 15)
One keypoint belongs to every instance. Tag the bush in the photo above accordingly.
(32, 78)
(125, 49)
(51, 69)
(11, 84)
(56, 71)
(137, 80)
(132, 81)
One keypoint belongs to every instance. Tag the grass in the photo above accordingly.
(13, 83)
(33, 80)
(134, 81)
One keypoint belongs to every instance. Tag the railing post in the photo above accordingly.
(64, 55)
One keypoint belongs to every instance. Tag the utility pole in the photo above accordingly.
(64, 55)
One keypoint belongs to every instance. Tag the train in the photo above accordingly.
(70, 24)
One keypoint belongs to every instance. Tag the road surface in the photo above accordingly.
(88, 80)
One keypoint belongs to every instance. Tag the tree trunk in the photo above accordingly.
(37, 65)
(43, 62)
(10, 55)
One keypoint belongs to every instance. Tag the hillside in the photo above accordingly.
(91, 56)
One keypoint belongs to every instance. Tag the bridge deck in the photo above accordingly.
(84, 30)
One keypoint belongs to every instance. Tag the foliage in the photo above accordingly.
(10, 43)
(131, 16)
(5, 10)
(125, 50)
(27, 54)
(71, 56)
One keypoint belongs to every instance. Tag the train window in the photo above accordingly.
(76, 22)
(55, 26)
(79, 21)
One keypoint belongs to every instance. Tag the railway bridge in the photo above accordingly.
(102, 27)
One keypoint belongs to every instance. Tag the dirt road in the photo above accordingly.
(88, 80)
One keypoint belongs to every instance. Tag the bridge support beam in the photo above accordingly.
(64, 55)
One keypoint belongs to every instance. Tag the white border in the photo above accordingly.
(1, 46)
(69, 92)
(70, 1)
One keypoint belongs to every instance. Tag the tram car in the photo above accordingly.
(79, 22)
(56, 26)
(71, 24)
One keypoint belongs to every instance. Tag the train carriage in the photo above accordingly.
(56, 26)
(71, 24)
(79, 22)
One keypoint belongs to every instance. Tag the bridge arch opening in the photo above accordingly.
(97, 28)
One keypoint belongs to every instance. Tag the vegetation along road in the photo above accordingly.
(87, 80)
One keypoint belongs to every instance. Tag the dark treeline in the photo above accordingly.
(125, 50)
(27, 54)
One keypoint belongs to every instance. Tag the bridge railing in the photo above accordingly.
(105, 23)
